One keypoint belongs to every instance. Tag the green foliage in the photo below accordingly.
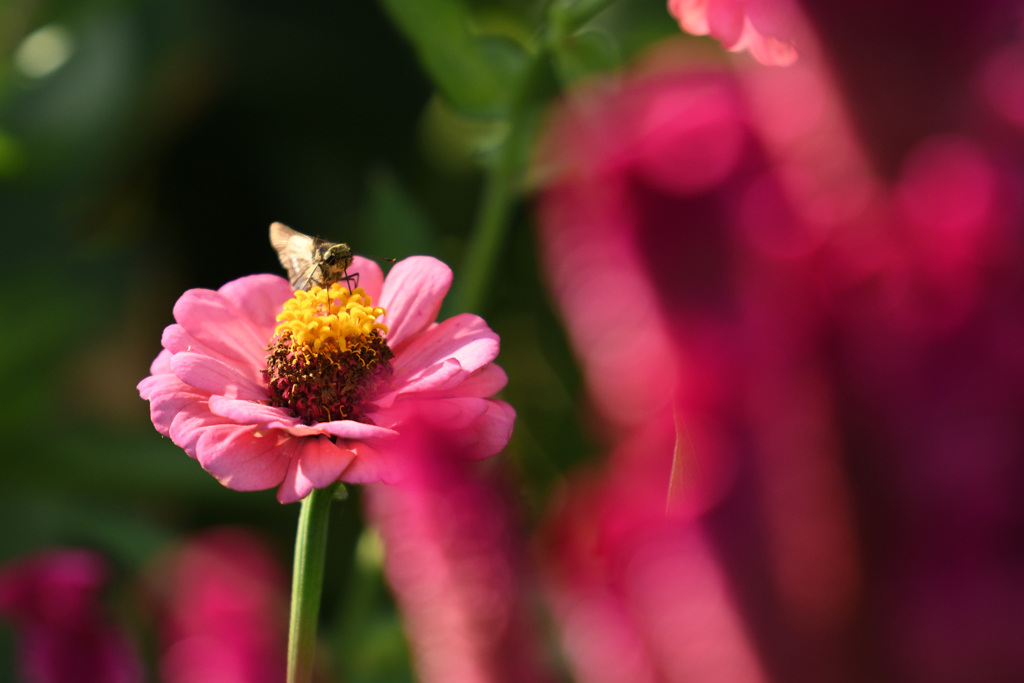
(587, 52)
(476, 74)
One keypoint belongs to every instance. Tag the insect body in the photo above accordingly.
(311, 261)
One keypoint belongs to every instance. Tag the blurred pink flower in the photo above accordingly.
(843, 348)
(455, 561)
(758, 26)
(222, 601)
(639, 595)
(665, 187)
(209, 390)
(63, 634)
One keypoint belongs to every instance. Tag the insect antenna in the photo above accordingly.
(355, 276)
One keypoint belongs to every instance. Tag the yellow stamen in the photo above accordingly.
(320, 318)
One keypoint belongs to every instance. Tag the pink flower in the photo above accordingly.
(752, 25)
(847, 344)
(64, 635)
(254, 426)
(639, 595)
(223, 603)
(665, 185)
(456, 564)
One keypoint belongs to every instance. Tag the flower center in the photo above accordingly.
(328, 355)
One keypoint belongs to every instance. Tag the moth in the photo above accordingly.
(311, 261)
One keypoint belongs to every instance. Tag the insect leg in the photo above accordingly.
(347, 279)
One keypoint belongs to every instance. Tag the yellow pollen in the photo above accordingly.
(317, 318)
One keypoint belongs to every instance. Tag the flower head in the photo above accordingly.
(329, 355)
(268, 387)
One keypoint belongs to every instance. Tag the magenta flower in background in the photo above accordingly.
(222, 604)
(762, 27)
(639, 596)
(64, 634)
(336, 368)
(456, 561)
(841, 349)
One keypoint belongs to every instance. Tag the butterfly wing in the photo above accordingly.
(295, 252)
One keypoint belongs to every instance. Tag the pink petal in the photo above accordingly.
(371, 279)
(691, 14)
(295, 486)
(253, 413)
(392, 415)
(157, 384)
(214, 320)
(370, 465)
(436, 376)
(485, 382)
(167, 396)
(440, 413)
(382, 401)
(322, 461)
(303, 430)
(176, 339)
(412, 295)
(191, 422)
(465, 337)
(725, 20)
(161, 365)
(317, 463)
(350, 429)
(259, 298)
(768, 50)
(245, 458)
(733, 23)
(452, 413)
(491, 431)
(209, 374)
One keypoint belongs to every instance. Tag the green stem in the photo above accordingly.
(503, 186)
(487, 237)
(307, 583)
(567, 16)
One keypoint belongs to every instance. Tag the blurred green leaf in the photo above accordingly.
(475, 74)
(367, 635)
(456, 142)
(586, 53)
(7, 655)
(95, 463)
(53, 520)
(12, 157)
(568, 16)
(637, 25)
